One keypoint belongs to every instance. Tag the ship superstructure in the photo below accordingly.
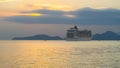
(74, 34)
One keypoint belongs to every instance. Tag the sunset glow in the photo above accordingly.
(5, 0)
(20, 5)
(34, 14)
(96, 14)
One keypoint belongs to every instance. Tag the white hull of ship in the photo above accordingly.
(78, 39)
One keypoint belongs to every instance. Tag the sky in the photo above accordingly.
(53, 17)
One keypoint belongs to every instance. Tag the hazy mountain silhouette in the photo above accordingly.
(38, 37)
(108, 35)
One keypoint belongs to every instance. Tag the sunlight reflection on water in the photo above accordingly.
(59, 54)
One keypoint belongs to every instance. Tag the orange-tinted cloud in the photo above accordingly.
(5, 0)
(7, 13)
(51, 7)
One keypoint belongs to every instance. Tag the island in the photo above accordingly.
(108, 35)
(38, 37)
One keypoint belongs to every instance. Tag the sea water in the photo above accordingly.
(59, 54)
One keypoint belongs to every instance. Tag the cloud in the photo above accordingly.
(50, 6)
(85, 16)
(97, 16)
(47, 12)
(47, 17)
(5, 0)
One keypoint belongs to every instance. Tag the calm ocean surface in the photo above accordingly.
(59, 54)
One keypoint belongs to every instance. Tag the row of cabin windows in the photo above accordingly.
(71, 35)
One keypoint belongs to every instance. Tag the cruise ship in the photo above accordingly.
(74, 34)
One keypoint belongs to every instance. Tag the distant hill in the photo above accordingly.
(38, 37)
(108, 35)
